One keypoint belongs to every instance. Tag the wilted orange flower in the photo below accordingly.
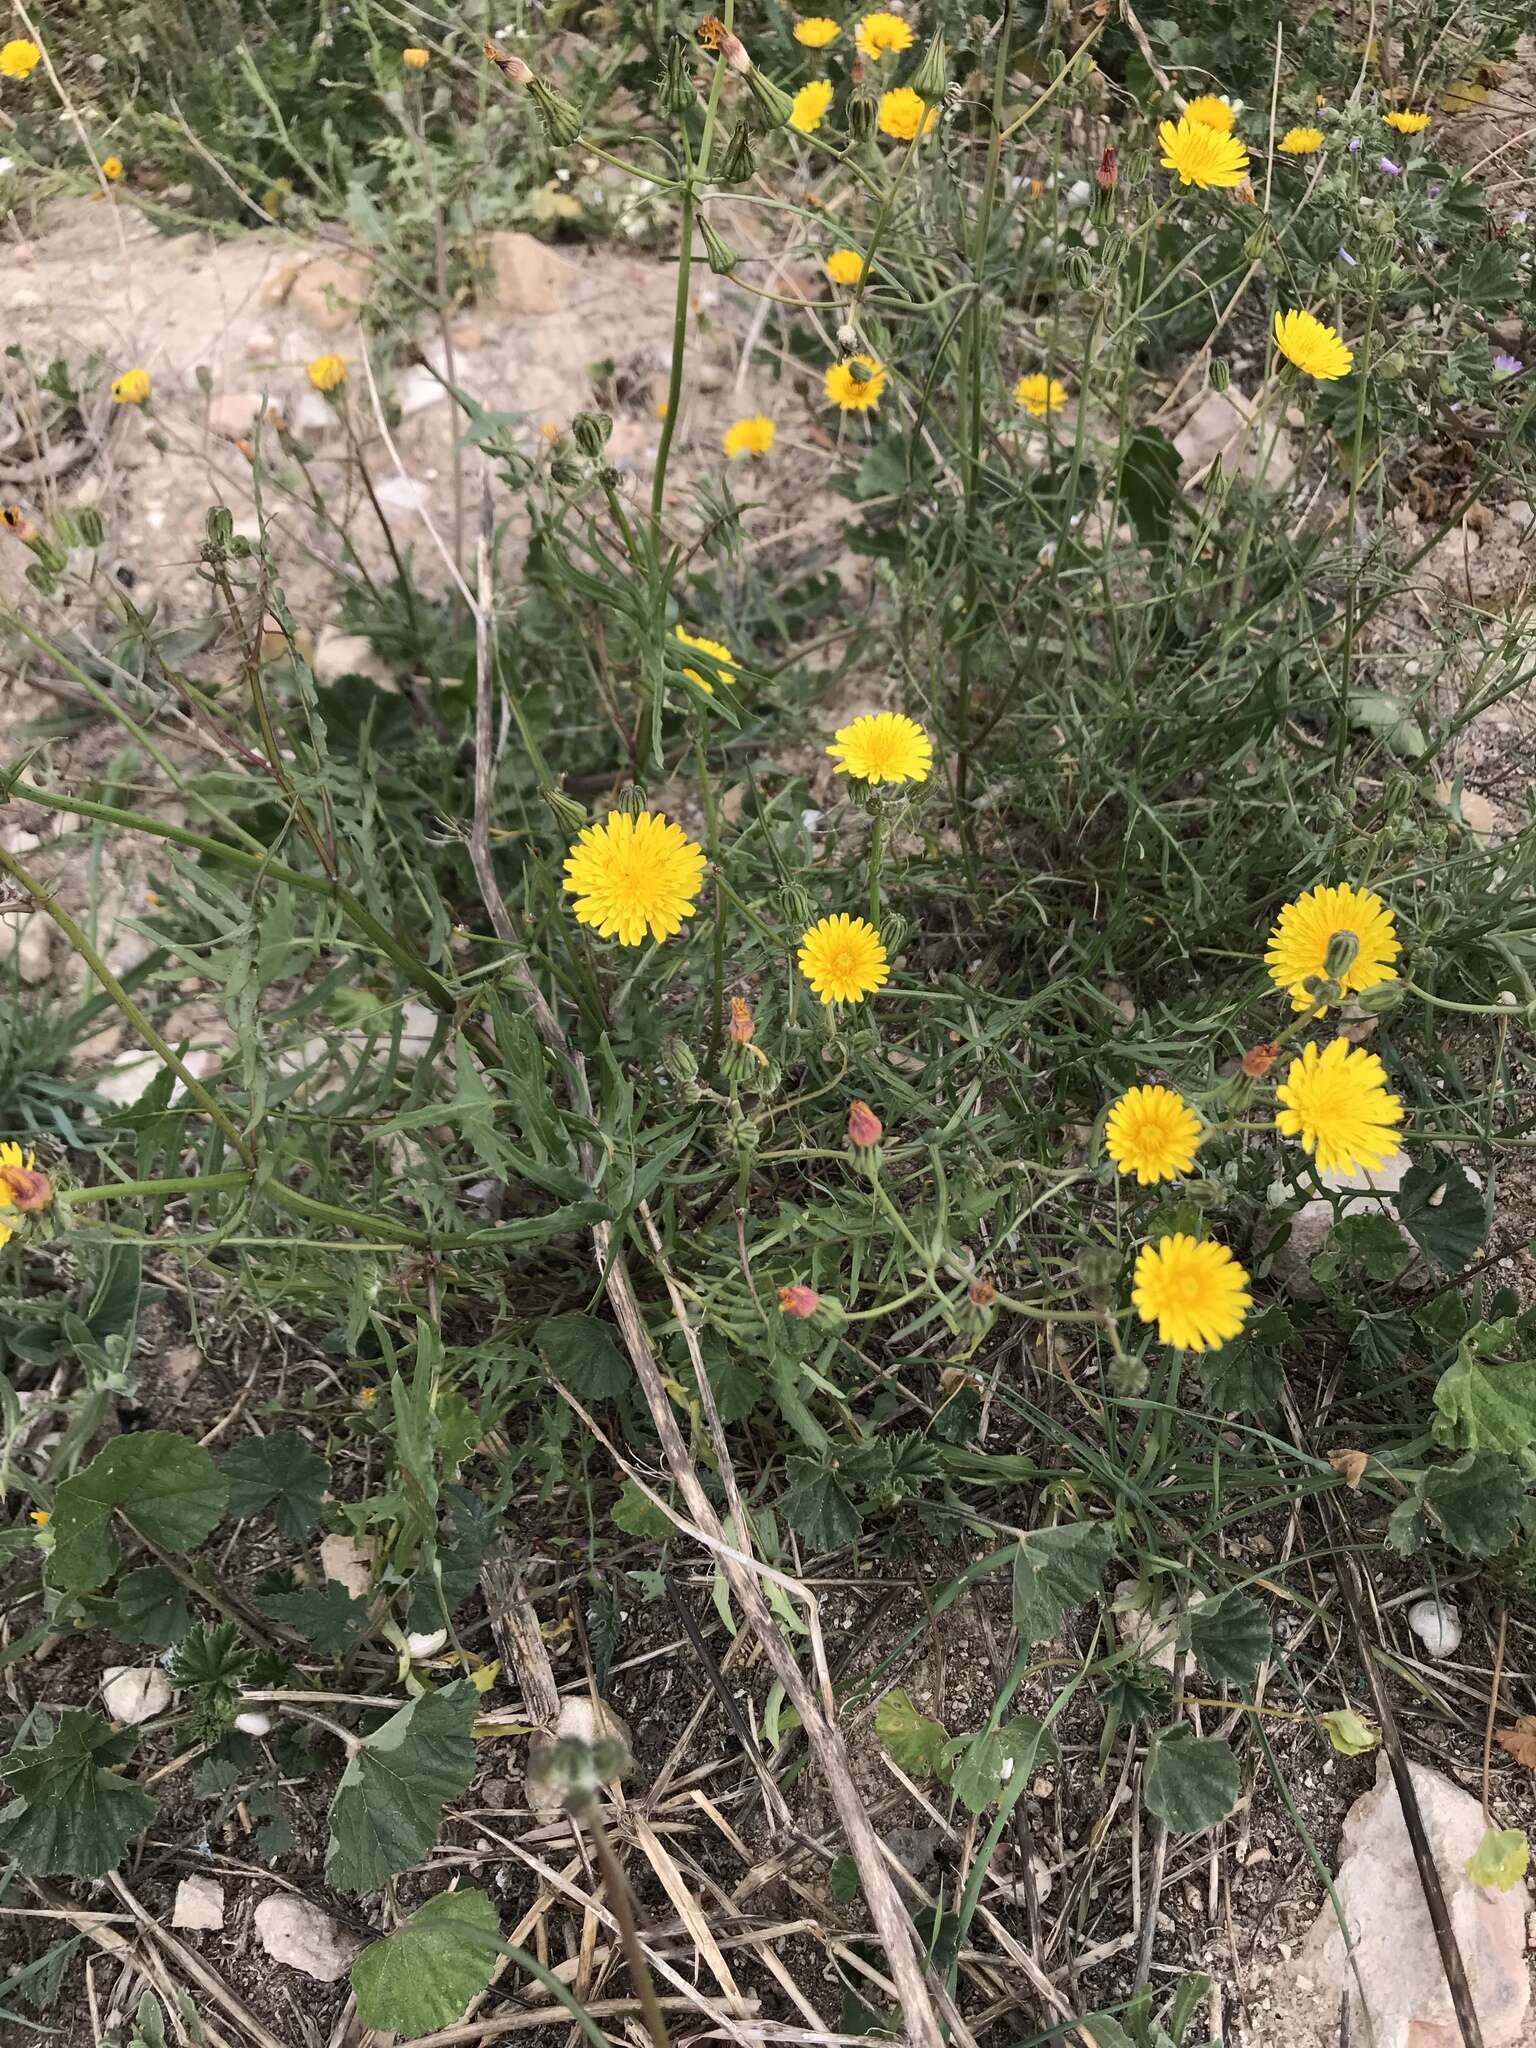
(981, 1292)
(799, 1301)
(864, 1127)
(741, 1027)
(1258, 1059)
(711, 32)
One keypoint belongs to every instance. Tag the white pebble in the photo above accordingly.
(253, 1723)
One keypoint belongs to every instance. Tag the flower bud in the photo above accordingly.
(894, 928)
(774, 105)
(93, 528)
(676, 91)
(1220, 373)
(931, 76)
(1343, 948)
(679, 1059)
(1107, 177)
(562, 121)
(796, 905)
(799, 1302)
(741, 1028)
(863, 114)
(513, 69)
(25, 1188)
(738, 165)
(722, 257)
(631, 800)
(569, 815)
(1098, 1268)
(590, 431)
(865, 1129)
(981, 1293)
(1078, 265)
(1385, 997)
(14, 520)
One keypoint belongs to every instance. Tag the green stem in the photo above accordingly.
(876, 850)
(181, 1184)
(1352, 590)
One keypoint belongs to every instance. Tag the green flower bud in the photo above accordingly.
(1221, 373)
(774, 105)
(679, 1059)
(1078, 265)
(590, 431)
(1384, 997)
(570, 816)
(676, 91)
(738, 166)
(562, 122)
(863, 115)
(797, 907)
(1098, 1268)
(1343, 950)
(932, 74)
(722, 257)
(93, 528)
(894, 931)
(632, 800)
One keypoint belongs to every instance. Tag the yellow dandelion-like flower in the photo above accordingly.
(1202, 156)
(366, 1396)
(845, 266)
(1211, 112)
(111, 168)
(854, 386)
(879, 33)
(717, 648)
(1315, 349)
(885, 746)
(1407, 124)
(19, 58)
(1153, 1133)
(816, 31)
(1195, 1292)
(903, 114)
(40, 1516)
(808, 108)
(1300, 142)
(1039, 394)
(1337, 1103)
(843, 960)
(415, 59)
(1298, 945)
(327, 371)
(131, 388)
(752, 436)
(634, 876)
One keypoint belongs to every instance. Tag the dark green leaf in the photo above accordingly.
(1149, 481)
(66, 1812)
(843, 1879)
(637, 1515)
(1373, 1243)
(1055, 1570)
(817, 1507)
(165, 1486)
(1228, 1637)
(1442, 1211)
(150, 1606)
(1188, 1783)
(583, 1356)
(282, 1472)
(425, 1974)
(1245, 1376)
(982, 1764)
(1486, 1404)
(389, 1803)
(327, 1616)
(1476, 1502)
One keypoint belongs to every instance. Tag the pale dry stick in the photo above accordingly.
(551, 2016)
(401, 471)
(1128, 15)
(1274, 101)
(758, 322)
(1493, 1712)
(193, 1966)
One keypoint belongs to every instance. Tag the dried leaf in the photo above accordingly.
(1520, 1741)
(1350, 1465)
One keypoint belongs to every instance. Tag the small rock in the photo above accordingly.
(523, 274)
(915, 1849)
(468, 337)
(1481, 818)
(313, 416)
(199, 1903)
(349, 654)
(233, 414)
(1393, 1973)
(329, 292)
(132, 1693)
(1221, 430)
(348, 1560)
(180, 1366)
(295, 1932)
(398, 494)
(253, 1722)
(418, 390)
(32, 949)
(1437, 1626)
(1154, 1637)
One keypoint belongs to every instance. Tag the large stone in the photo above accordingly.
(132, 1693)
(1365, 1194)
(293, 1931)
(1396, 1986)
(523, 274)
(1222, 430)
(330, 292)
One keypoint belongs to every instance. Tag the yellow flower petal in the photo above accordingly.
(634, 877)
(1194, 1291)
(1336, 1102)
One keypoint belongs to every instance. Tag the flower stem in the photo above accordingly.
(876, 853)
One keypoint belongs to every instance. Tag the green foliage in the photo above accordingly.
(981, 1765)
(423, 1975)
(150, 1605)
(1188, 1782)
(1055, 1570)
(1474, 1506)
(385, 1815)
(913, 1742)
(1443, 1212)
(67, 1811)
(1228, 1637)
(281, 1474)
(1500, 1859)
(166, 1488)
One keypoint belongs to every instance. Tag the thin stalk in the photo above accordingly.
(1352, 591)
(876, 852)
(629, 1935)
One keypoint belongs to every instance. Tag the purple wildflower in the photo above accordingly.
(1435, 191)
(1391, 169)
(1506, 365)
(1354, 147)
(1345, 257)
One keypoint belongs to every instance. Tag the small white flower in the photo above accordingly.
(425, 1645)
(1047, 554)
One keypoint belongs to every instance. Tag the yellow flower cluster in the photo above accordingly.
(808, 108)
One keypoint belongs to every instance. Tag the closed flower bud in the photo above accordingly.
(570, 816)
(25, 1188)
(676, 92)
(740, 1028)
(1078, 265)
(722, 257)
(931, 75)
(738, 165)
(513, 69)
(799, 1301)
(865, 1129)
(1384, 997)
(1220, 373)
(774, 105)
(863, 114)
(590, 431)
(632, 800)
(893, 931)
(562, 122)
(1340, 957)
(679, 1059)
(1097, 1270)
(796, 907)
(1108, 174)
(93, 528)
(1258, 1059)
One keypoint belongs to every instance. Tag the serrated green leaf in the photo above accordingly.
(637, 1515)
(1245, 1376)
(1499, 1861)
(328, 1617)
(817, 1505)
(1475, 1503)
(283, 1473)
(425, 1974)
(1486, 1404)
(583, 1356)
(150, 1606)
(1228, 1637)
(389, 1803)
(1442, 1211)
(1373, 1243)
(1350, 1733)
(66, 1812)
(165, 1486)
(984, 1763)
(1188, 1782)
(1055, 1570)
(913, 1743)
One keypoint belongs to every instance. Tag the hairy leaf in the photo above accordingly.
(328, 1617)
(165, 1486)
(1228, 1637)
(817, 1506)
(1499, 1861)
(283, 1472)
(1442, 1211)
(913, 1743)
(1055, 1570)
(1189, 1783)
(583, 1356)
(389, 1803)
(1350, 1733)
(423, 1975)
(67, 1813)
(1485, 1404)
(985, 1762)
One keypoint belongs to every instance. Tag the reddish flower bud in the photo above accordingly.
(1108, 174)
(741, 1027)
(864, 1127)
(25, 1188)
(982, 1292)
(800, 1302)
(1258, 1060)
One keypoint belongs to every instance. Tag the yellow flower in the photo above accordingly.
(1195, 1292)
(633, 876)
(752, 436)
(843, 960)
(1336, 1102)
(845, 266)
(1153, 1133)
(1407, 124)
(366, 1396)
(1200, 156)
(326, 372)
(902, 114)
(131, 388)
(886, 746)
(877, 33)
(855, 386)
(1298, 945)
(415, 59)
(1300, 142)
(41, 1516)
(808, 108)
(111, 168)
(1211, 112)
(19, 58)
(1039, 394)
(717, 648)
(816, 31)
(1315, 349)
